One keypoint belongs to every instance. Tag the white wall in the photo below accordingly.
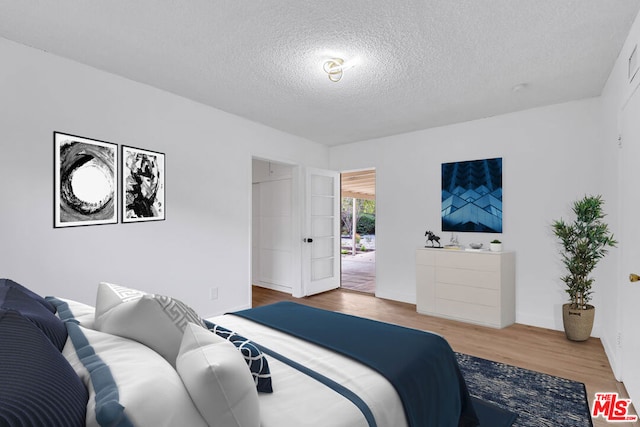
(205, 240)
(551, 156)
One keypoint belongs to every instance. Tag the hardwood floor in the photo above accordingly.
(537, 349)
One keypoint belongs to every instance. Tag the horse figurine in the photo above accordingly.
(432, 238)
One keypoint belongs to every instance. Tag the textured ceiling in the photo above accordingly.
(417, 64)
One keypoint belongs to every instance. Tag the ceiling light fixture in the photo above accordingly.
(334, 68)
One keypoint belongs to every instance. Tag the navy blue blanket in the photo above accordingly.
(421, 366)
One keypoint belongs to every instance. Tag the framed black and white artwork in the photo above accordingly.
(143, 185)
(85, 181)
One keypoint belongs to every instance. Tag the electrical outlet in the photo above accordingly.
(213, 293)
(619, 340)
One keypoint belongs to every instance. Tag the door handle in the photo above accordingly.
(307, 240)
(634, 277)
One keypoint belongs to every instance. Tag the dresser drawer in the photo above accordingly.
(468, 260)
(467, 294)
(478, 278)
(474, 313)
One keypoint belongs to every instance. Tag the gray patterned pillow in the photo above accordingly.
(156, 321)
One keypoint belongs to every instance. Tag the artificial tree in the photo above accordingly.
(584, 242)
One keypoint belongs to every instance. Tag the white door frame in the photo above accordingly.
(296, 288)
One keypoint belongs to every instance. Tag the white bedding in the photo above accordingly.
(299, 400)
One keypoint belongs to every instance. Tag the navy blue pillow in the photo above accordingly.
(11, 284)
(13, 298)
(38, 387)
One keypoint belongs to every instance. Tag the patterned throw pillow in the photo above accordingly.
(156, 321)
(255, 359)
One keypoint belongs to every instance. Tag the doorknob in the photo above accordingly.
(308, 240)
(634, 277)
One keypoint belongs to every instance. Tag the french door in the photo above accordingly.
(321, 231)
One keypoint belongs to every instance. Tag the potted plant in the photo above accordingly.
(584, 243)
(495, 245)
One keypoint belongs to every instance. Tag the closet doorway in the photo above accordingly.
(295, 228)
(358, 235)
(274, 251)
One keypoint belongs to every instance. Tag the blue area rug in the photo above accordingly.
(537, 399)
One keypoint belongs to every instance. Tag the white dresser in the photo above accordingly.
(475, 287)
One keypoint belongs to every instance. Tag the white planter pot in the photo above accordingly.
(495, 247)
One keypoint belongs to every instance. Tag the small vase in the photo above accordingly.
(495, 247)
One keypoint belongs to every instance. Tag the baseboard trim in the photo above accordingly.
(612, 355)
(409, 299)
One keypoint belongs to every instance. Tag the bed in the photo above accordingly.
(150, 360)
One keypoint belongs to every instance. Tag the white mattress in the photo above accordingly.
(299, 400)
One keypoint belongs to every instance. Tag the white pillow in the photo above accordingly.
(128, 381)
(83, 313)
(154, 320)
(217, 379)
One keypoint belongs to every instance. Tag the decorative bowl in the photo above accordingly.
(475, 245)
